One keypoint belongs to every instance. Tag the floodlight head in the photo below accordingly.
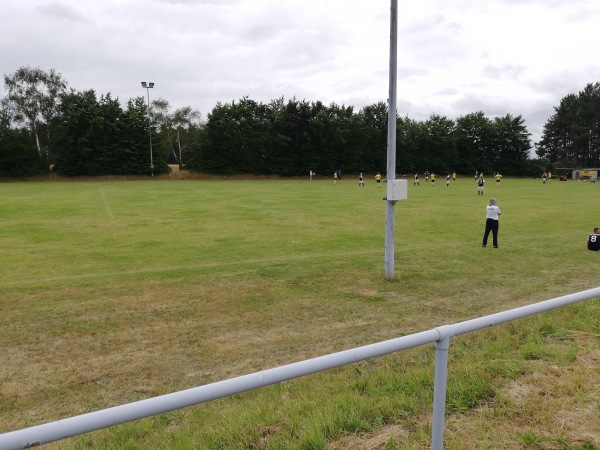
(150, 85)
(143, 84)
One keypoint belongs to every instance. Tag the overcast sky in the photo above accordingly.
(455, 57)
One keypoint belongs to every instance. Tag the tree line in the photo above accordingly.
(294, 136)
(571, 136)
(44, 124)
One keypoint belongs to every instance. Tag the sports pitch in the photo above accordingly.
(115, 291)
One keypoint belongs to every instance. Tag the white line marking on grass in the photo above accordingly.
(186, 267)
(108, 211)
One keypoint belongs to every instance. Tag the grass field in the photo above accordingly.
(115, 291)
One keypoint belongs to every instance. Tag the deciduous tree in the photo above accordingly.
(33, 99)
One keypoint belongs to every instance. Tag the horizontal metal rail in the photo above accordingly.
(73, 426)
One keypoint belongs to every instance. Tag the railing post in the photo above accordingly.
(439, 393)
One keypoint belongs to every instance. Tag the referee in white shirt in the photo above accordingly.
(491, 223)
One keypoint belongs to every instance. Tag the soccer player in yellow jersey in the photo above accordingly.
(453, 176)
(433, 179)
(497, 177)
(378, 179)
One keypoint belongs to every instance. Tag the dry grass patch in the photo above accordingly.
(556, 403)
(391, 437)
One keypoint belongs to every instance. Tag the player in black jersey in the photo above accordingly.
(480, 186)
(593, 242)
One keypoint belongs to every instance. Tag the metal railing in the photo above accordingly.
(73, 426)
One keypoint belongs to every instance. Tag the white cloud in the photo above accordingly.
(499, 56)
(58, 10)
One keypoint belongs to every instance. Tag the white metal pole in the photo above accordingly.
(439, 393)
(391, 142)
(150, 133)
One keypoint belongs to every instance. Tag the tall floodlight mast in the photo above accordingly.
(149, 86)
(391, 143)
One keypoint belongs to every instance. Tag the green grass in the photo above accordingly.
(114, 291)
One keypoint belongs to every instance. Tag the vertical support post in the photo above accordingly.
(391, 142)
(150, 133)
(439, 393)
